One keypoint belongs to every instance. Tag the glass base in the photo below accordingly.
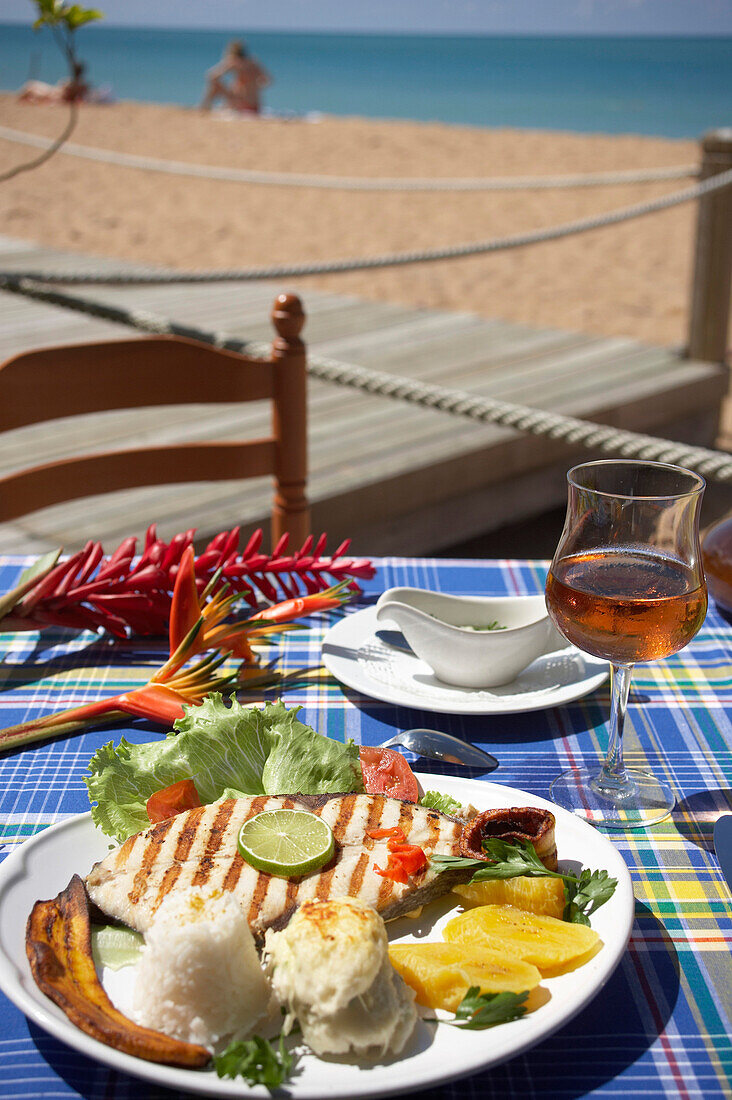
(641, 801)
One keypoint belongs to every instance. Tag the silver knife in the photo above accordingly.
(723, 845)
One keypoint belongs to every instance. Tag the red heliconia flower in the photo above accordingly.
(127, 596)
(197, 624)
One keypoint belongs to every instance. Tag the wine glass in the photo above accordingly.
(626, 584)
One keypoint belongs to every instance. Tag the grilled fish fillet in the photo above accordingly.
(198, 848)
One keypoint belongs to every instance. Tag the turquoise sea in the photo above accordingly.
(675, 87)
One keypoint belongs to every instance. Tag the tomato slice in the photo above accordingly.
(172, 800)
(387, 772)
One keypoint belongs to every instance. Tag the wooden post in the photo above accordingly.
(710, 292)
(291, 511)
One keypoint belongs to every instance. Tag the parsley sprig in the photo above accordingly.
(480, 1010)
(583, 894)
(256, 1060)
(587, 893)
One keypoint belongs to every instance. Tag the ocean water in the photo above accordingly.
(674, 87)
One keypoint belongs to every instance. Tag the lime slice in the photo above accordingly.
(288, 843)
(115, 947)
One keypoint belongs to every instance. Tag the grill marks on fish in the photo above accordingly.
(325, 878)
(200, 848)
(434, 828)
(269, 892)
(213, 843)
(124, 853)
(403, 822)
(181, 839)
(357, 876)
(148, 859)
(237, 865)
(374, 821)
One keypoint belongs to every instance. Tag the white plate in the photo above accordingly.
(43, 866)
(361, 659)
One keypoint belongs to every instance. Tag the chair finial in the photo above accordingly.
(288, 316)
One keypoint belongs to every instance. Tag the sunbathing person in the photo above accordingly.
(247, 77)
(73, 90)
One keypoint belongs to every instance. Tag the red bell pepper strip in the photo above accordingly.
(411, 857)
(393, 870)
(403, 863)
(379, 834)
(404, 859)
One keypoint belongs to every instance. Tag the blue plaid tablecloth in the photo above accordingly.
(662, 1027)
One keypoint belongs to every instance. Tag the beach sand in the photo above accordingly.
(630, 280)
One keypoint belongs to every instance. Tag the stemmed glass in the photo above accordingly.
(626, 584)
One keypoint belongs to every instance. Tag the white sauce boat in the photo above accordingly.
(438, 630)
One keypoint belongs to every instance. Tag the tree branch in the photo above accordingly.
(47, 153)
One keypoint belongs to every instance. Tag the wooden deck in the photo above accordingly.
(395, 478)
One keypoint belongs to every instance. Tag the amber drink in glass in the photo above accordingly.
(626, 585)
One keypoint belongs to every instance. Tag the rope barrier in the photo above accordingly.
(351, 183)
(329, 267)
(522, 418)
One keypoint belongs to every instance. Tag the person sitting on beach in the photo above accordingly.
(241, 92)
(73, 90)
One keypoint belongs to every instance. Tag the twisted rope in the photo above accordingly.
(352, 183)
(327, 267)
(522, 418)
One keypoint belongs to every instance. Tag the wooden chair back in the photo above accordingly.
(62, 381)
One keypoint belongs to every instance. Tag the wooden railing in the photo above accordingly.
(712, 280)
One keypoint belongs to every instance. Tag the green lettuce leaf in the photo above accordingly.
(445, 803)
(223, 749)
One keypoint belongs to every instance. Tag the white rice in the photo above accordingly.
(199, 978)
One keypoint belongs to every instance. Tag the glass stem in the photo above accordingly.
(614, 776)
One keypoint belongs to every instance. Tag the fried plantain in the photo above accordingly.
(58, 946)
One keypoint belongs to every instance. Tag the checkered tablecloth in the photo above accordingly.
(662, 1027)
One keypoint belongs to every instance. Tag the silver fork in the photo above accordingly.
(435, 745)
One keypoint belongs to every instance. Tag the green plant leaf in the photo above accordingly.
(586, 894)
(28, 578)
(509, 860)
(583, 894)
(54, 13)
(479, 1010)
(257, 1061)
(76, 16)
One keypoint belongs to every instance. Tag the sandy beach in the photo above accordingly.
(627, 280)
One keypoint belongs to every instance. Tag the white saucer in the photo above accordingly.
(358, 653)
